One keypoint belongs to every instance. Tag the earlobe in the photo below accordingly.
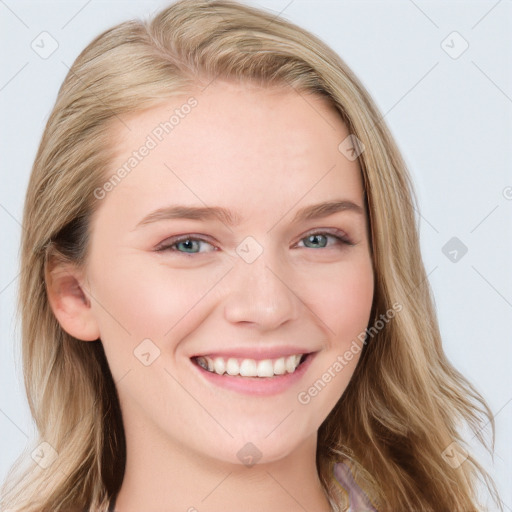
(69, 301)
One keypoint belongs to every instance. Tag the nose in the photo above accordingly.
(261, 293)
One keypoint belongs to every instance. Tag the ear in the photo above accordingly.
(69, 301)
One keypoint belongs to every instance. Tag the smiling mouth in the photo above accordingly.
(240, 367)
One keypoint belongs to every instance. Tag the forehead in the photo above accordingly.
(243, 144)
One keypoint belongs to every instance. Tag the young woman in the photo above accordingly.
(223, 300)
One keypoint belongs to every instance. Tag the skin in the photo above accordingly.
(263, 153)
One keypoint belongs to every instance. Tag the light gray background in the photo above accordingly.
(452, 118)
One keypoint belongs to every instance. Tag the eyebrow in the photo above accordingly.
(315, 211)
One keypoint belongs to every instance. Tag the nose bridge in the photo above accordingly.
(260, 292)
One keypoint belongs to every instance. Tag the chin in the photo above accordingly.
(250, 450)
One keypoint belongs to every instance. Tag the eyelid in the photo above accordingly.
(329, 231)
(173, 240)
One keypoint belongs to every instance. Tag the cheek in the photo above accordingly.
(152, 301)
(343, 300)
(136, 300)
(344, 307)
(162, 303)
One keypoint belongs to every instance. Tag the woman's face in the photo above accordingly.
(242, 291)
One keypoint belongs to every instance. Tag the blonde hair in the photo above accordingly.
(405, 403)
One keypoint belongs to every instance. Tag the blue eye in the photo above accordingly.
(187, 244)
(314, 237)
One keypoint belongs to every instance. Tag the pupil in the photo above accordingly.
(187, 244)
(314, 238)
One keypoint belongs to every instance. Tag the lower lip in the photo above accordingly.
(261, 386)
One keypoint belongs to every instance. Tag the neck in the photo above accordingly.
(164, 475)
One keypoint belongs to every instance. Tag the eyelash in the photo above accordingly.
(168, 245)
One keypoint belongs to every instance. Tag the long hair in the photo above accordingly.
(405, 403)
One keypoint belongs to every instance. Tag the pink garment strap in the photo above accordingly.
(358, 500)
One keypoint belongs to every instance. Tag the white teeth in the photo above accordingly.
(250, 367)
(280, 366)
(290, 364)
(265, 368)
(232, 367)
(219, 365)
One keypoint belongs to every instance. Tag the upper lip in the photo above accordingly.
(256, 353)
